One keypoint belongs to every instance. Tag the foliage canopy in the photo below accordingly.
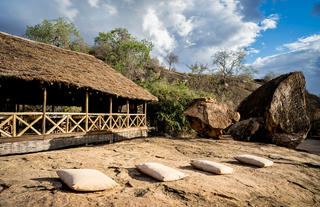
(57, 32)
(230, 63)
(167, 115)
(172, 59)
(198, 68)
(122, 51)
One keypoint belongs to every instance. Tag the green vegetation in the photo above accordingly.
(230, 63)
(167, 114)
(57, 32)
(122, 51)
(197, 68)
(172, 59)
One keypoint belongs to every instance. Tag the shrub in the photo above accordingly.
(167, 115)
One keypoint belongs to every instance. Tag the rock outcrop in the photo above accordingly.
(246, 129)
(280, 104)
(313, 110)
(209, 118)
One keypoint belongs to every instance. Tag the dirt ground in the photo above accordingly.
(293, 180)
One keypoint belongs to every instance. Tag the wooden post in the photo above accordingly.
(14, 125)
(44, 108)
(110, 101)
(87, 111)
(128, 116)
(67, 123)
(145, 113)
(110, 111)
(145, 108)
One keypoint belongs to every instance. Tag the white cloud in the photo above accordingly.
(175, 17)
(111, 10)
(192, 29)
(64, 8)
(93, 3)
(129, 1)
(160, 36)
(181, 24)
(189, 43)
(270, 22)
(303, 56)
(311, 42)
(252, 50)
(219, 24)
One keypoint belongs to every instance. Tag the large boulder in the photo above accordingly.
(246, 130)
(281, 105)
(313, 110)
(209, 118)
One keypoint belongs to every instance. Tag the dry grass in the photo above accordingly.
(30, 60)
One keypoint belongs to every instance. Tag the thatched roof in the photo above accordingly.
(29, 60)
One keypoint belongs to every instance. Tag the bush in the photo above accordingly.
(167, 115)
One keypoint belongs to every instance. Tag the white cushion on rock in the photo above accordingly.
(86, 179)
(254, 160)
(160, 172)
(212, 167)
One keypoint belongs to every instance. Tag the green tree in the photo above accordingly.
(198, 68)
(172, 59)
(167, 115)
(122, 51)
(57, 32)
(230, 63)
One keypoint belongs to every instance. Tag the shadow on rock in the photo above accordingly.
(136, 174)
(242, 164)
(187, 167)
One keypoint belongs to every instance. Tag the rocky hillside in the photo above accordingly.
(229, 91)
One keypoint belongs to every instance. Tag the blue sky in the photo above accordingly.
(281, 35)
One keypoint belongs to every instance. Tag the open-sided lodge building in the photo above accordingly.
(52, 97)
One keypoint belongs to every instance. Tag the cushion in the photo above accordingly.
(212, 167)
(160, 172)
(254, 160)
(86, 179)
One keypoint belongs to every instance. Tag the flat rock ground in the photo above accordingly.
(293, 180)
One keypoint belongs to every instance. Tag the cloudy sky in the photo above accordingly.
(281, 35)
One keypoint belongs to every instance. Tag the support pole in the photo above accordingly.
(87, 111)
(110, 111)
(14, 125)
(145, 113)
(145, 108)
(110, 101)
(128, 111)
(44, 109)
(67, 123)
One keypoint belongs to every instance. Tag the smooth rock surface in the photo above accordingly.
(31, 179)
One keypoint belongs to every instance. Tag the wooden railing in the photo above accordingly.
(16, 124)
